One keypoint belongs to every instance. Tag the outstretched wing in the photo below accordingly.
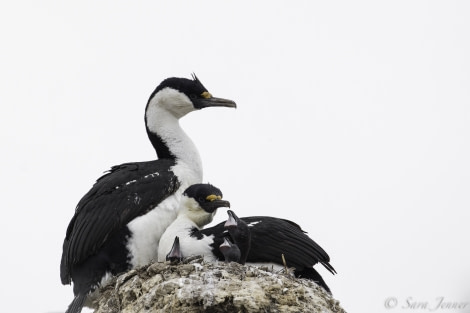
(124, 193)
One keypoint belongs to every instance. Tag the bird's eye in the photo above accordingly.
(192, 96)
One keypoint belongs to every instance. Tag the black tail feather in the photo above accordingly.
(329, 267)
(77, 304)
(312, 274)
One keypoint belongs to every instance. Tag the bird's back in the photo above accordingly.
(127, 191)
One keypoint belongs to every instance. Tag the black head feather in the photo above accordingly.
(193, 88)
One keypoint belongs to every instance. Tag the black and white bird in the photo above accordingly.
(271, 238)
(260, 240)
(118, 223)
(198, 207)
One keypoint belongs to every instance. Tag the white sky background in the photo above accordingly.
(353, 120)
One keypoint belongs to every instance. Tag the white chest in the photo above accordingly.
(181, 227)
(146, 230)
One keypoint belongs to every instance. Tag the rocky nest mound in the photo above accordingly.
(197, 286)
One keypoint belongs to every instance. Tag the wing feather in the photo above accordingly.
(271, 237)
(127, 191)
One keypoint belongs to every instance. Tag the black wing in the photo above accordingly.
(127, 191)
(271, 237)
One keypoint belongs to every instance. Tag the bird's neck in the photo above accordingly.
(194, 219)
(171, 142)
(183, 221)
